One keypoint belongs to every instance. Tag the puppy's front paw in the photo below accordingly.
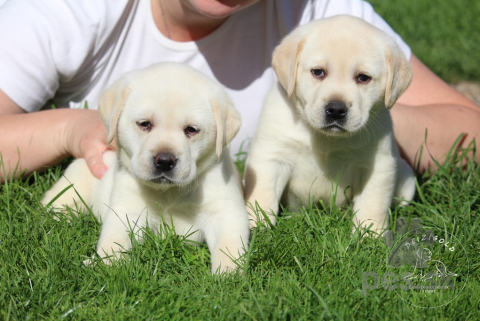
(108, 260)
(225, 266)
(259, 215)
(227, 256)
(89, 262)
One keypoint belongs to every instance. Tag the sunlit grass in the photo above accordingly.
(308, 267)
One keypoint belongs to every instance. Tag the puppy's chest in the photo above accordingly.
(317, 175)
(180, 211)
(183, 205)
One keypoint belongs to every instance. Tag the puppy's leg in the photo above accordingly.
(226, 235)
(114, 237)
(371, 204)
(78, 174)
(405, 188)
(264, 184)
(84, 183)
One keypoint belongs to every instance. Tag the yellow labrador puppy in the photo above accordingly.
(327, 121)
(172, 124)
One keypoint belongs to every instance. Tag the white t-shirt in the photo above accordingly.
(68, 51)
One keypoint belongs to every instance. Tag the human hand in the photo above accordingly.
(86, 137)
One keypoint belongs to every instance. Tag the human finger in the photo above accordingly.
(94, 159)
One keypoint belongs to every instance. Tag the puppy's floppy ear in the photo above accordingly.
(111, 105)
(228, 121)
(399, 75)
(285, 60)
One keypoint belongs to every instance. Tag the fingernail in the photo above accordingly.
(102, 171)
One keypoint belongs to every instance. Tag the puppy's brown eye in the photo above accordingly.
(318, 73)
(191, 131)
(144, 125)
(363, 79)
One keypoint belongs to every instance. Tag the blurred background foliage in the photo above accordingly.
(444, 34)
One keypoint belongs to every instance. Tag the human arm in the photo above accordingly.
(431, 103)
(34, 141)
(49, 51)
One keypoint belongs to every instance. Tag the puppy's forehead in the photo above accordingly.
(171, 97)
(346, 43)
(347, 49)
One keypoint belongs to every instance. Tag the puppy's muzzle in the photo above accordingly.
(164, 162)
(335, 112)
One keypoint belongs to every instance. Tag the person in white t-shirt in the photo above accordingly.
(67, 51)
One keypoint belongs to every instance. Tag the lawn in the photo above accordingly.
(444, 34)
(308, 267)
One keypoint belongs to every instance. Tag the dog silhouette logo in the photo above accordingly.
(425, 260)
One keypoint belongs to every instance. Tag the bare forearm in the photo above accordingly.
(444, 122)
(32, 142)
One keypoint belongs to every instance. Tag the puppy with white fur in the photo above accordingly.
(172, 125)
(327, 122)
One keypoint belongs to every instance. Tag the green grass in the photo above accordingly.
(443, 34)
(308, 267)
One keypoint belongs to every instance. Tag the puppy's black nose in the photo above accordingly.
(165, 162)
(336, 110)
